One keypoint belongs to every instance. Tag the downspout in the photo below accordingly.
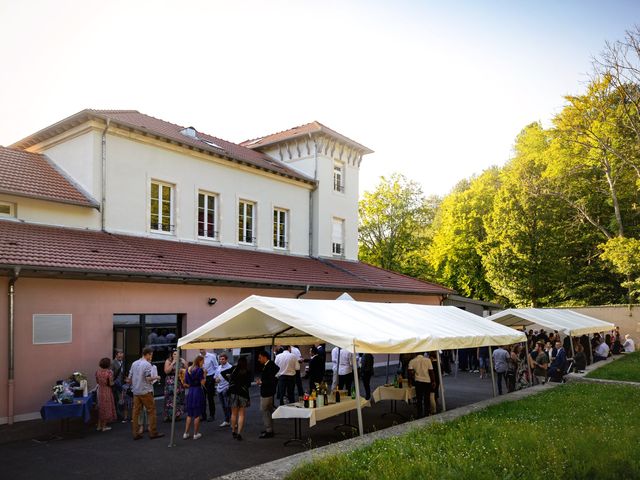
(11, 363)
(103, 200)
(315, 187)
(304, 292)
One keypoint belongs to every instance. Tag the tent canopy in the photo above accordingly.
(565, 321)
(370, 327)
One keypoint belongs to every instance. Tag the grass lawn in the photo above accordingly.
(626, 368)
(575, 431)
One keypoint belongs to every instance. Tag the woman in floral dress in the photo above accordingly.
(169, 385)
(106, 404)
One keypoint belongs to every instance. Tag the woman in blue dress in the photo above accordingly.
(194, 380)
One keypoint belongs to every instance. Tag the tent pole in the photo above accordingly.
(573, 354)
(526, 350)
(175, 399)
(455, 373)
(388, 360)
(273, 344)
(444, 405)
(357, 382)
(493, 377)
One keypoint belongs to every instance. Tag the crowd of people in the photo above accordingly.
(129, 397)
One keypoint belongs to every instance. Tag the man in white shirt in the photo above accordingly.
(286, 362)
(343, 366)
(628, 345)
(422, 370)
(222, 387)
(602, 352)
(296, 351)
(210, 365)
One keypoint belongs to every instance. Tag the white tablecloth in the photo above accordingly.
(392, 393)
(296, 410)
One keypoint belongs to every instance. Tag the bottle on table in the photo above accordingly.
(337, 396)
(353, 392)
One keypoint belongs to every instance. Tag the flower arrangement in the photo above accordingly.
(62, 393)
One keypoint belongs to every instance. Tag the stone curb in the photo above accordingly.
(280, 468)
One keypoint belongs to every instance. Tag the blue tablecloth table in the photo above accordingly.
(81, 407)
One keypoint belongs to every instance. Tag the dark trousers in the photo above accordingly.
(210, 387)
(286, 387)
(116, 390)
(299, 383)
(345, 381)
(423, 389)
(499, 377)
(225, 404)
(366, 380)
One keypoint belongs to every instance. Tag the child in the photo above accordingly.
(126, 401)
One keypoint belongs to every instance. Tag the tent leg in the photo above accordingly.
(273, 344)
(175, 399)
(357, 382)
(493, 376)
(526, 350)
(455, 372)
(444, 405)
(388, 360)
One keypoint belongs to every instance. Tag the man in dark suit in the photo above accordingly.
(316, 368)
(268, 384)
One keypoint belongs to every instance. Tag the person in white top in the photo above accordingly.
(628, 345)
(296, 351)
(210, 365)
(343, 366)
(287, 362)
(422, 370)
(602, 352)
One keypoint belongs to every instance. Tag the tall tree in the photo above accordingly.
(525, 251)
(395, 222)
(459, 230)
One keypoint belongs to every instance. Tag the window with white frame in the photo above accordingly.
(338, 177)
(161, 207)
(7, 209)
(337, 236)
(207, 210)
(246, 222)
(280, 225)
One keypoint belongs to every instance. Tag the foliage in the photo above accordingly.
(577, 431)
(626, 368)
(395, 222)
(624, 255)
(459, 231)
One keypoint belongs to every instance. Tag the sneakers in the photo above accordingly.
(266, 435)
(185, 436)
(106, 429)
(225, 424)
(197, 436)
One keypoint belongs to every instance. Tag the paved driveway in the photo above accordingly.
(114, 455)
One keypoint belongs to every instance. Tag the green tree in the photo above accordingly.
(624, 256)
(395, 226)
(459, 230)
(525, 250)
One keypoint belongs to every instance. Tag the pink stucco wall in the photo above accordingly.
(92, 304)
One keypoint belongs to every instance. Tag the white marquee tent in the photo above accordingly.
(360, 327)
(564, 321)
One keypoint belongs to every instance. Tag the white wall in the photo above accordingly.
(131, 165)
(80, 158)
(53, 213)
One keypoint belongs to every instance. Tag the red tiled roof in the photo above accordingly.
(300, 131)
(55, 249)
(33, 175)
(150, 125)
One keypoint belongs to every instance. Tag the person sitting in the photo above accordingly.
(602, 352)
(558, 366)
(579, 359)
(628, 345)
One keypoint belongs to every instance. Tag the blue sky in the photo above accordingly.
(438, 90)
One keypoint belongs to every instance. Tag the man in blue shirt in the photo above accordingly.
(210, 366)
(500, 364)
